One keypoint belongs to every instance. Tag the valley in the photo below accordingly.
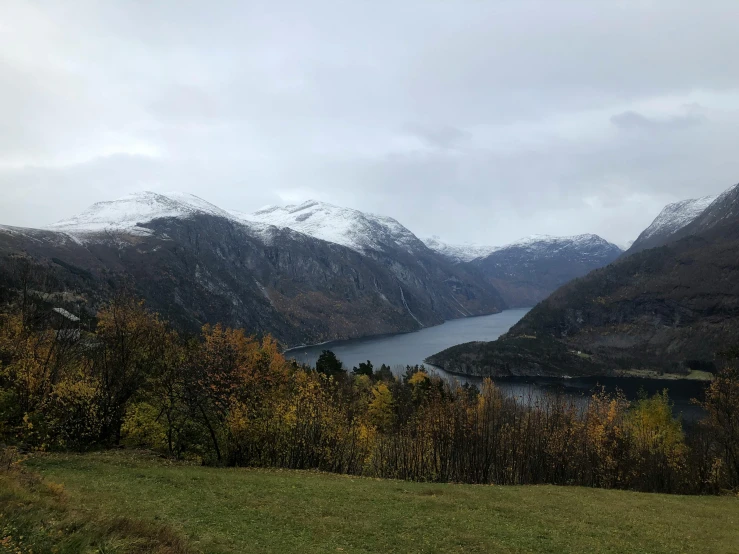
(671, 308)
(308, 273)
(369, 277)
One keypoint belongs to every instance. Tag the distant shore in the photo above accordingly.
(692, 375)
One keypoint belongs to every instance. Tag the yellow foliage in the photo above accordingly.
(651, 427)
(143, 427)
(419, 378)
(380, 411)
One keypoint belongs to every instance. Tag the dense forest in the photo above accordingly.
(128, 378)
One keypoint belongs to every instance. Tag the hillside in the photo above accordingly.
(209, 510)
(670, 308)
(197, 264)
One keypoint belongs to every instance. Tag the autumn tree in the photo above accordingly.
(130, 343)
(380, 410)
(722, 421)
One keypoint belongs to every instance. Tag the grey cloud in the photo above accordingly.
(635, 120)
(475, 121)
(439, 136)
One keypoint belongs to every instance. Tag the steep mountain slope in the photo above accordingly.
(198, 264)
(668, 308)
(721, 213)
(528, 271)
(459, 252)
(672, 219)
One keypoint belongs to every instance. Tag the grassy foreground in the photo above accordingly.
(111, 497)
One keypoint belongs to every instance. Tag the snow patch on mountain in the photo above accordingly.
(465, 252)
(535, 246)
(725, 206)
(351, 228)
(676, 216)
(548, 245)
(128, 212)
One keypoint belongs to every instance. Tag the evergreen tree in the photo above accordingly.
(364, 369)
(329, 364)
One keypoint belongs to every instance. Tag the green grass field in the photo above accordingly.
(248, 510)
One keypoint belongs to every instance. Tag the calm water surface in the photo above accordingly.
(412, 348)
(401, 350)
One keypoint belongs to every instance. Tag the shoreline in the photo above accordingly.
(635, 374)
(693, 375)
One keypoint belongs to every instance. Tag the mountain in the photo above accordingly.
(362, 232)
(672, 219)
(458, 252)
(670, 308)
(125, 213)
(196, 263)
(529, 270)
(524, 272)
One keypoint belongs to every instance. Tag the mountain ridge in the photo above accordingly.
(669, 222)
(529, 270)
(199, 264)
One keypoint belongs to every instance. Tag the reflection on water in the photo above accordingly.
(401, 350)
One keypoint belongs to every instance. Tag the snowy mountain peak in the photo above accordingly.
(127, 212)
(584, 240)
(676, 216)
(357, 230)
(465, 252)
(534, 244)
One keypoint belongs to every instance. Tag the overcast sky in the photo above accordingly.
(479, 121)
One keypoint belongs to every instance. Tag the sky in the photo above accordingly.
(477, 121)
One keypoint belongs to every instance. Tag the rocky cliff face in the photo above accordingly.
(668, 308)
(197, 264)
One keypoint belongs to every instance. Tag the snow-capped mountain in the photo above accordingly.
(535, 245)
(458, 252)
(127, 212)
(722, 209)
(539, 246)
(671, 219)
(308, 273)
(357, 230)
(527, 271)
(132, 213)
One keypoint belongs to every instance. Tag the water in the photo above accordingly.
(412, 348)
(398, 351)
